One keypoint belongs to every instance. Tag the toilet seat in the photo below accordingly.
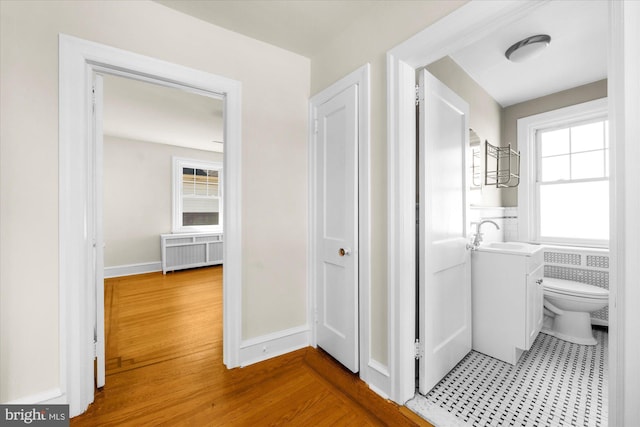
(571, 288)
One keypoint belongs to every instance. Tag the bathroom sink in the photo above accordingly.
(516, 248)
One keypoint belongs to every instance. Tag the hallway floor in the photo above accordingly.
(164, 367)
(556, 383)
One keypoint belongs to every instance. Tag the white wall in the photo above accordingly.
(497, 124)
(138, 197)
(275, 93)
(367, 41)
(565, 98)
(484, 117)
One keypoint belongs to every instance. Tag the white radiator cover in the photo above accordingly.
(190, 250)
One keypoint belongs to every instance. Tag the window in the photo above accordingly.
(565, 188)
(197, 196)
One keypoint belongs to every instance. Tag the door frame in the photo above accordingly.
(96, 195)
(470, 22)
(360, 77)
(79, 60)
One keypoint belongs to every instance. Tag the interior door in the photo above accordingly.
(444, 261)
(98, 235)
(336, 197)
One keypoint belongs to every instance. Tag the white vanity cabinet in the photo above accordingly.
(507, 299)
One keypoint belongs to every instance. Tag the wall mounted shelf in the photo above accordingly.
(502, 166)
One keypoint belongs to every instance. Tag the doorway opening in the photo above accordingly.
(494, 115)
(162, 168)
(403, 61)
(80, 60)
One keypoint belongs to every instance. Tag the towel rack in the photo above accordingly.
(502, 166)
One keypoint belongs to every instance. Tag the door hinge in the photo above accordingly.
(315, 126)
(417, 349)
(417, 95)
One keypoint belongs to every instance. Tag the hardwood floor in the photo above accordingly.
(152, 318)
(164, 367)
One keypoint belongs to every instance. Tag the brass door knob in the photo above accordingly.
(343, 251)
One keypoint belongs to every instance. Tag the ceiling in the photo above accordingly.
(298, 26)
(576, 55)
(149, 112)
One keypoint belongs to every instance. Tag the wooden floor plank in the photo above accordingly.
(164, 367)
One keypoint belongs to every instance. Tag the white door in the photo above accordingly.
(336, 201)
(444, 261)
(98, 238)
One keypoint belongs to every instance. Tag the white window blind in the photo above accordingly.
(197, 196)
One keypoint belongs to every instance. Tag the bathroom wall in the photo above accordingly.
(511, 114)
(506, 218)
(137, 197)
(367, 40)
(484, 118)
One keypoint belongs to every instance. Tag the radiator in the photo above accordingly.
(181, 251)
(590, 267)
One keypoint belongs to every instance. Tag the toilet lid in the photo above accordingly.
(574, 288)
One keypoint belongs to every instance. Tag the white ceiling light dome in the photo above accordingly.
(527, 48)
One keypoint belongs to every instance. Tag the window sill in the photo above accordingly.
(198, 232)
(568, 247)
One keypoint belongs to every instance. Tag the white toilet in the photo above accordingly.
(569, 304)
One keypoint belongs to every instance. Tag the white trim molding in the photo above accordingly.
(360, 78)
(624, 110)
(265, 347)
(378, 377)
(79, 61)
(53, 396)
(465, 25)
(526, 134)
(132, 269)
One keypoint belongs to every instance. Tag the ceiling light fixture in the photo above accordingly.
(527, 48)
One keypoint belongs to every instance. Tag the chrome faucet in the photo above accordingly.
(477, 237)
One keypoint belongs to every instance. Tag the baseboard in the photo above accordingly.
(265, 347)
(52, 396)
(131, 269)
(378, 378)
